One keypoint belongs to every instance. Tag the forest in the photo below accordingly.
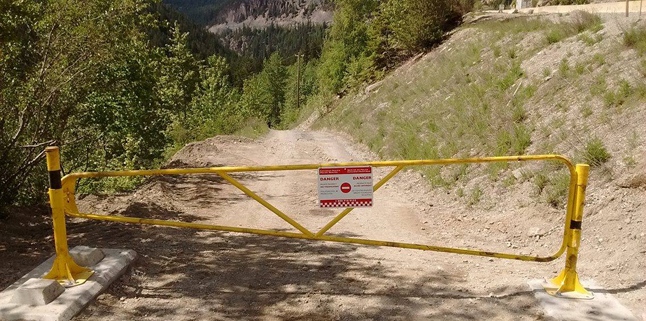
(123, 84)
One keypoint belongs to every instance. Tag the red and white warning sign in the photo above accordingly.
(345, 186)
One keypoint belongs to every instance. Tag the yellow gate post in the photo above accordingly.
(64, 270)
(567, 283)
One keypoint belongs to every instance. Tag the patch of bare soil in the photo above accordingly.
(185, 274)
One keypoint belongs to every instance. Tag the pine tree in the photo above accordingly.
(179, 74)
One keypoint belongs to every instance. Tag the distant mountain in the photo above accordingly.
(221, 15)
(248, 31)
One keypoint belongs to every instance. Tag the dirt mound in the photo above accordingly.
(206, 153)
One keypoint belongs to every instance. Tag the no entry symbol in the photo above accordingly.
(346, 187)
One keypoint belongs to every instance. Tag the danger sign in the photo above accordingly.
(345, 186)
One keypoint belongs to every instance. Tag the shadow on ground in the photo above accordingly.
(185, 274)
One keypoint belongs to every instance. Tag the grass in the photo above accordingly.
(564, 68)
(511, 53)
(599, 86)
(635, 38)
(580, 21)
(579, 68)
(476, 196)
(587, 39)
(463, 103)
(630, 161)
(496, 51)
(540, 181)
(595, 152)
(620, 96)
(599, 59)
(546, 72)
(557, 189)
(555, 35)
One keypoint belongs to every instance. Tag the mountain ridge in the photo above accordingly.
(219, 16)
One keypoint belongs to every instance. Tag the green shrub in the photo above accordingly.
(583, 20)
(511, 53)
(587, 39)
(519, 114)
(522, 139)
(564, 68)
(476, 196)
(540, 181)
(599, 59)
(595, 152)
(496, 50)
(599, 86)
(557, 190)
(635, 37)
(514, 73)
(546, 72)
(555, 35)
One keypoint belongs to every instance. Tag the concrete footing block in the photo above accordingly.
(37, 292)
(86, 256)
(603, 307)
(73, 299)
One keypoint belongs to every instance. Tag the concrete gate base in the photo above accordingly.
(33, 298)
(601, 308)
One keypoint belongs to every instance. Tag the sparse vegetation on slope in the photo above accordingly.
(519, 86)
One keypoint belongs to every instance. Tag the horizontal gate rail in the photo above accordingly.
(63, 202)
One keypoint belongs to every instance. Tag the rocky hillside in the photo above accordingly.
(571, 85)
(222, 15)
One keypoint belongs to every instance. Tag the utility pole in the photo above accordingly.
(298, 81)
(627, 7)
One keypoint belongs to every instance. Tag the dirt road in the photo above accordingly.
(187, 274)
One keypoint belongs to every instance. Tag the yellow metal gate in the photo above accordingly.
(62, 201)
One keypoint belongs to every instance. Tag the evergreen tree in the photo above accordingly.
(264, 93)
(179, 75)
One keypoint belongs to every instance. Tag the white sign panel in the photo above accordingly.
(345, 186)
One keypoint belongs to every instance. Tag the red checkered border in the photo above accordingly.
(347, 203)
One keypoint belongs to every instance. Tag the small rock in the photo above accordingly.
(535, 231)
(547, 78)
(517, 173)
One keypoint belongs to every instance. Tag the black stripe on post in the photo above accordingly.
(575, 225)
(55, 180)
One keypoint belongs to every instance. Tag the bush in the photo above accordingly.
(635, 38)
(583, 20)
(555, 35)
(595, 152)
(557, 189)
(415, 25)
